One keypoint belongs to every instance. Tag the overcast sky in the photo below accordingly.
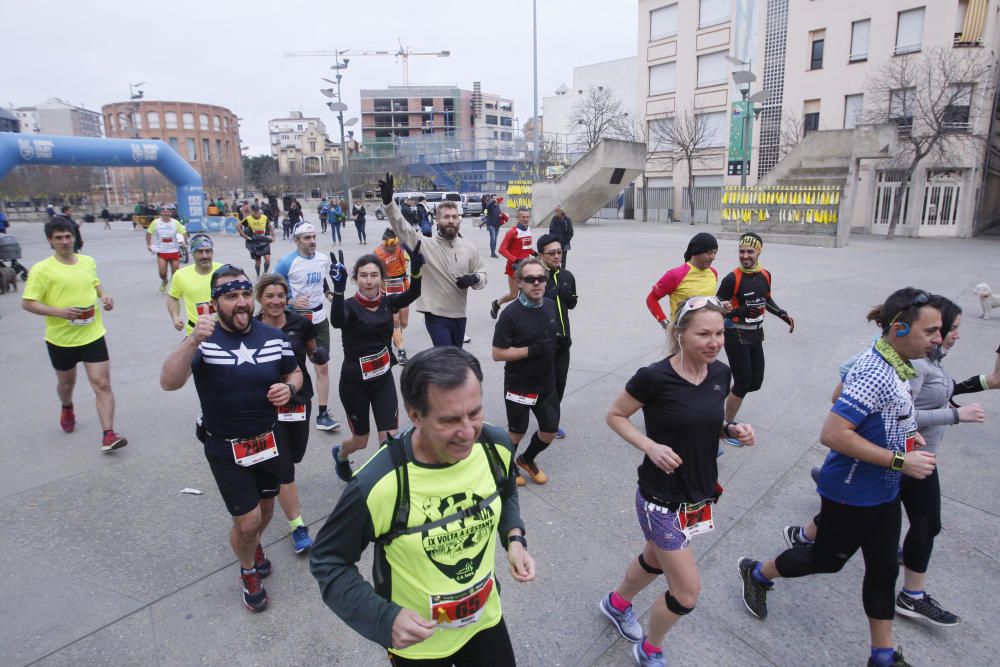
(230, 53)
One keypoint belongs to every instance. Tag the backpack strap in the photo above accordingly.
(735, 298)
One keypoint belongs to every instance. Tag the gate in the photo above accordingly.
(886, 189)
(941, 197)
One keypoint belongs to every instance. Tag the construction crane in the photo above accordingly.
(401, 53)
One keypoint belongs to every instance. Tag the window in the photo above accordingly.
(969, 22)
(135, 120)
(816, 41)
(227, 150)
(218, 150)
(853, 105)
(491, 120)
(956, 114)
(188, 119)
(174, 144)
(170, 119)
(203, 121)
(206, 153)
(312, 145)
(225, 121)
(901, 103)
(153, 120)
(910, 31)
(506, 121)
(716, 128)
(810, 116)
(860, 33)
(662, 78)
(712, 69)
(711, 12)
(506, 136)
(192, 153)
(663, 22)
(659, 134)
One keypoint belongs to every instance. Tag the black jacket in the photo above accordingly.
(562, 228)
(561, 288)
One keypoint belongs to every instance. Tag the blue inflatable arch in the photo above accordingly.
(41, 149)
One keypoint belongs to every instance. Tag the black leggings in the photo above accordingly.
(841, 531)
(562, 371)
(746, 360)
(488, 648)
(377, 395)
(922, 502)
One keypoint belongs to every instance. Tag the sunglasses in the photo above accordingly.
(921, 299)
(696, 302)
(534, 280)
(553, 253)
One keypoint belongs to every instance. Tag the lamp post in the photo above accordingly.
(135, 94)
(340, 108)
(535, 124)
(743, 79)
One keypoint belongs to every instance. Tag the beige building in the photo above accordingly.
(818, 60)
(313, 154)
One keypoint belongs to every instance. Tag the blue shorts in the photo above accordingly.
(659, 525)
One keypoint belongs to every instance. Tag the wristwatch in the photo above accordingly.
(518, 538)
(897, 461)
(291, 387)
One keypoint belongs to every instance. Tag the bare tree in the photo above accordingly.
(686, 135)
(598, 115)
(791, 132)
(934, 98)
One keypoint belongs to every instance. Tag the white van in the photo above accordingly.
(435, 198)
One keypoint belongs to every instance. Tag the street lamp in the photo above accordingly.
(750, 105)
(339, 107)
(135, 94)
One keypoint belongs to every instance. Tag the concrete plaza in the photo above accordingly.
(107, 563)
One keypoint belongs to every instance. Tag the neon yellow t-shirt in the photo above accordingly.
(193, 289)
(66, 286)
(257, 225)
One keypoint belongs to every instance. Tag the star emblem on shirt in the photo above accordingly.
(245, 355)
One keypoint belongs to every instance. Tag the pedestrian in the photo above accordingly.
(324, 214)
(359, 212)
(423, 216)
(561, 289)
(163, 238)
(336, 218)
(193, 285)
(695, 277)
(295, 214)
(491, 214)
(562, 228)
(516, 245)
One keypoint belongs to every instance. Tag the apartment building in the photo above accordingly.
(56, 116)
(287, 132)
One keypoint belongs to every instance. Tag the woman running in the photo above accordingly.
(682, 399)
(366, 324)
(292, 428)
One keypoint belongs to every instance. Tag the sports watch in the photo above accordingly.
(897, 461)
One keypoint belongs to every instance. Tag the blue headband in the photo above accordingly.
(231, 286)
(200, 242)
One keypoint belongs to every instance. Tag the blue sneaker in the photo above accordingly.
(342, 468)
(625, 621)
(560, 433)
(732, 441)
(301, 539)
(325, 422)
(643, 659)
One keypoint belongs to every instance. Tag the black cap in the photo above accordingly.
(699, 243)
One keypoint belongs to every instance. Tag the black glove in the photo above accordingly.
(788, 320)
(468, 280)
(338, 272)
(321, 355)
(565, 290)
(563, 342)
(386, 188)
(416, 259)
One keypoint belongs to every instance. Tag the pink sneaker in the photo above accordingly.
(67, 419)
(112, 441)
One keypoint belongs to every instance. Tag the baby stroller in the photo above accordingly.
(10, 252)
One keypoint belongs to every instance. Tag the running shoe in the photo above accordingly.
(325, 422)
(401, 357)
(625, 621)
(644, 659)
(520, 479)
(467, 339)
(254, 595)
(793, 537)
(342, 468)
(261, 563)
(536, 474)
(494, 308)
(301, 539)
(67, 419)
(897, 661)
(926, 608)
(112, 441)
(560, 433)
(163, 285)
(754, 593)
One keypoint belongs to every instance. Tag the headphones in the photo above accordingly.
(903, 330)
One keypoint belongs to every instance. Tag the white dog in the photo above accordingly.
(987, 299)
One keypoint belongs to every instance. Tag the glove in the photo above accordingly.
(565, 290)
(416, 259)
(788, 320)
(386, 188)
(468, 280)
(321, 355)
(563, 342)
(537, 349)
(338, 272)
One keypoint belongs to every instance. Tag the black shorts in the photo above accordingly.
(323, 333)
(545, 409)
(293, 436)
(487, 648)
(66, 358)
(242, 488)
(378, 396)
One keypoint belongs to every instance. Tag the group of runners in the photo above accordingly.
(437, 495)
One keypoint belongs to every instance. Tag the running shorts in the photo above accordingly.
(66, 358)
(242, 488)
(169, 256)
(545, 409)
(377, 396)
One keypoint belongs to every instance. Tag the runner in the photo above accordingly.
(747, 290)
(243, 371)
(162, 239)
(436, 600)
(525, 338)
(258, 232)
(873, 440)
(65, 289)
(396, 263)
(193, 284)
(324, 214)
(515, 246)
(695, 277)
(304, 270)
(682, 401)
(292, 427)
(366, 324)
(561, 288)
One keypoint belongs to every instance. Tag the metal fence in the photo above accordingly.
(707, 204)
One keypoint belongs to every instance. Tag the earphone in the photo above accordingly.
(903, 330)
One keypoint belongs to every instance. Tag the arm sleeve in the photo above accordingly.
(944, 416)
(503, 334)
(400, 301)
(333, 562)
(504, 248)
(774, 308)
(569, 229)
(861, 396)
(726, 287)
(570, 279)
(476, 266)
(283, 266)
(641, 386)
(288, 363)
(400, 226)
(337, 316)
(664, 286)
(972, 385)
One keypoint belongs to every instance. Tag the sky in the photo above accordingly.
(231, 53)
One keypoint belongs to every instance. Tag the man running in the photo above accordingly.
(748, 291)
(695, 277)
(453, 266)
(525, 338)
(65, 290)
(515, 246)
(561, 227)
(304, 270)
(193, 284)
(396, 262)
(163, 237)
(258, 232)
(873, 438)
(561, 289)
(243, 370)
(435, 600)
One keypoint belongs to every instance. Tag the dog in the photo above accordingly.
(987, 299)
(8, 280)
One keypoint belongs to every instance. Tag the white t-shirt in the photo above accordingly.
(163, 235)
(305, 277)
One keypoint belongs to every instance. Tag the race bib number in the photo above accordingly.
(308, 314)
(457, 610)
(205, 308)
(293, 412)
(761, 307)
(911, 441)
(523, 399)
(375, 365)
(254, 450)
(695, 519)
(86, 316)
(395, 285)
(526, 243)
(167, 240)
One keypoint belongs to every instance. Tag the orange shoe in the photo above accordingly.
(536, 474)
(520, 479)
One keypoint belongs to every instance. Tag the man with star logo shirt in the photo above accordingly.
(243, 370)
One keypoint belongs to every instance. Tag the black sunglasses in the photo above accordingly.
(534, 280)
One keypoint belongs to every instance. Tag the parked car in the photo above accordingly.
(472, 203)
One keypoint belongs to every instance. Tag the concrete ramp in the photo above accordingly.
(603, 172)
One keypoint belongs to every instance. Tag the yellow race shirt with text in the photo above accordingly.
(66, 286)
(192, 288)
(257, 225)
